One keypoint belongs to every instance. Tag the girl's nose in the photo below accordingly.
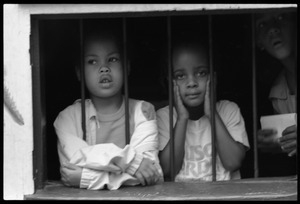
(274, 30)
(104, 69)
(274, 27)
(192, 83)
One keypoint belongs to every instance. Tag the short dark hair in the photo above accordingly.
(103, 28)
(185, 39)
(190, 39)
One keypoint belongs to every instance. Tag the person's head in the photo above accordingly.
(276, 33)
(103, 64)
(190, 71)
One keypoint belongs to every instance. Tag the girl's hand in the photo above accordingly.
(70, 174)
(207, 99)
(180, 108)
(288, 141)
(147, 173)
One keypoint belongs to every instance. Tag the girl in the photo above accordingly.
(192, 129)
(104, 160)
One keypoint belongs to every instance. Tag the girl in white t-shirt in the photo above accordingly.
(191, 122)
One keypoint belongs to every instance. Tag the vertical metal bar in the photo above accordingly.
(127, 130)
(212, 100)
(39, 124)
(254, 99)
(170, 76)
(296, 72)
(82, 80)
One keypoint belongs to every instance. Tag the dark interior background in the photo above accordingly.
(147, 43)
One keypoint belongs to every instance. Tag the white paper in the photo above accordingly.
(278, 122)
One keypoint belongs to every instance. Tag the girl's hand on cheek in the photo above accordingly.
(207, 99)
(181, 110)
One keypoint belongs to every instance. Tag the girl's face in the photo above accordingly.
(190, 72)
(276, 33)
(103, 68)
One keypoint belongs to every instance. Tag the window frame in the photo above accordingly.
(39, 114)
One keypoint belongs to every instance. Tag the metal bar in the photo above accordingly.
(254, 99)
(82, 81)
(39, 124)
(127, 127)
(212, 100)
(170, 76)
(296, 72)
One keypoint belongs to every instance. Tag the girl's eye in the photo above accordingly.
(92, 62)
(114, 59)
(179, 76)
(202, 73)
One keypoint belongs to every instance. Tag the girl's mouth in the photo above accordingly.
(105, 79)
(193, 96)
(276, 43)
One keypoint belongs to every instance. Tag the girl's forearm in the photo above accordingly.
(179, 141)
(230, 152)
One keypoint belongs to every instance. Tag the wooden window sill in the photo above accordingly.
(279, 188)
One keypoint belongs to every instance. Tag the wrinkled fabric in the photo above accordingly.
(106, 165)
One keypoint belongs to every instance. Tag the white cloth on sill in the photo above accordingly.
(107, 164)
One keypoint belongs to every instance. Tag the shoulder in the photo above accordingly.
(224, 105)
(228, 110)
(74, 110)
(163, 115)
(163, 111)
(145, 107)
(68, 115)
(279, 87)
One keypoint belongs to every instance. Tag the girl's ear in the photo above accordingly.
(77, 70)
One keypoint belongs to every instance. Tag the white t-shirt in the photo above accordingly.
(197, 163)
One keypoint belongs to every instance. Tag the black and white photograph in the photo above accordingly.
(150, 102)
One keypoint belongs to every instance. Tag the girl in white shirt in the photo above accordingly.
(192, 129)
(104, 160)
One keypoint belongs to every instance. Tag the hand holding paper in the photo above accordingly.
(288, 141)
(278, 122)
(278, 131)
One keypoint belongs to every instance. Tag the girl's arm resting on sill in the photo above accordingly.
(73, 175)
(113, 159)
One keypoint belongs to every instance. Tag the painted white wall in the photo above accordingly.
(18, 139)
